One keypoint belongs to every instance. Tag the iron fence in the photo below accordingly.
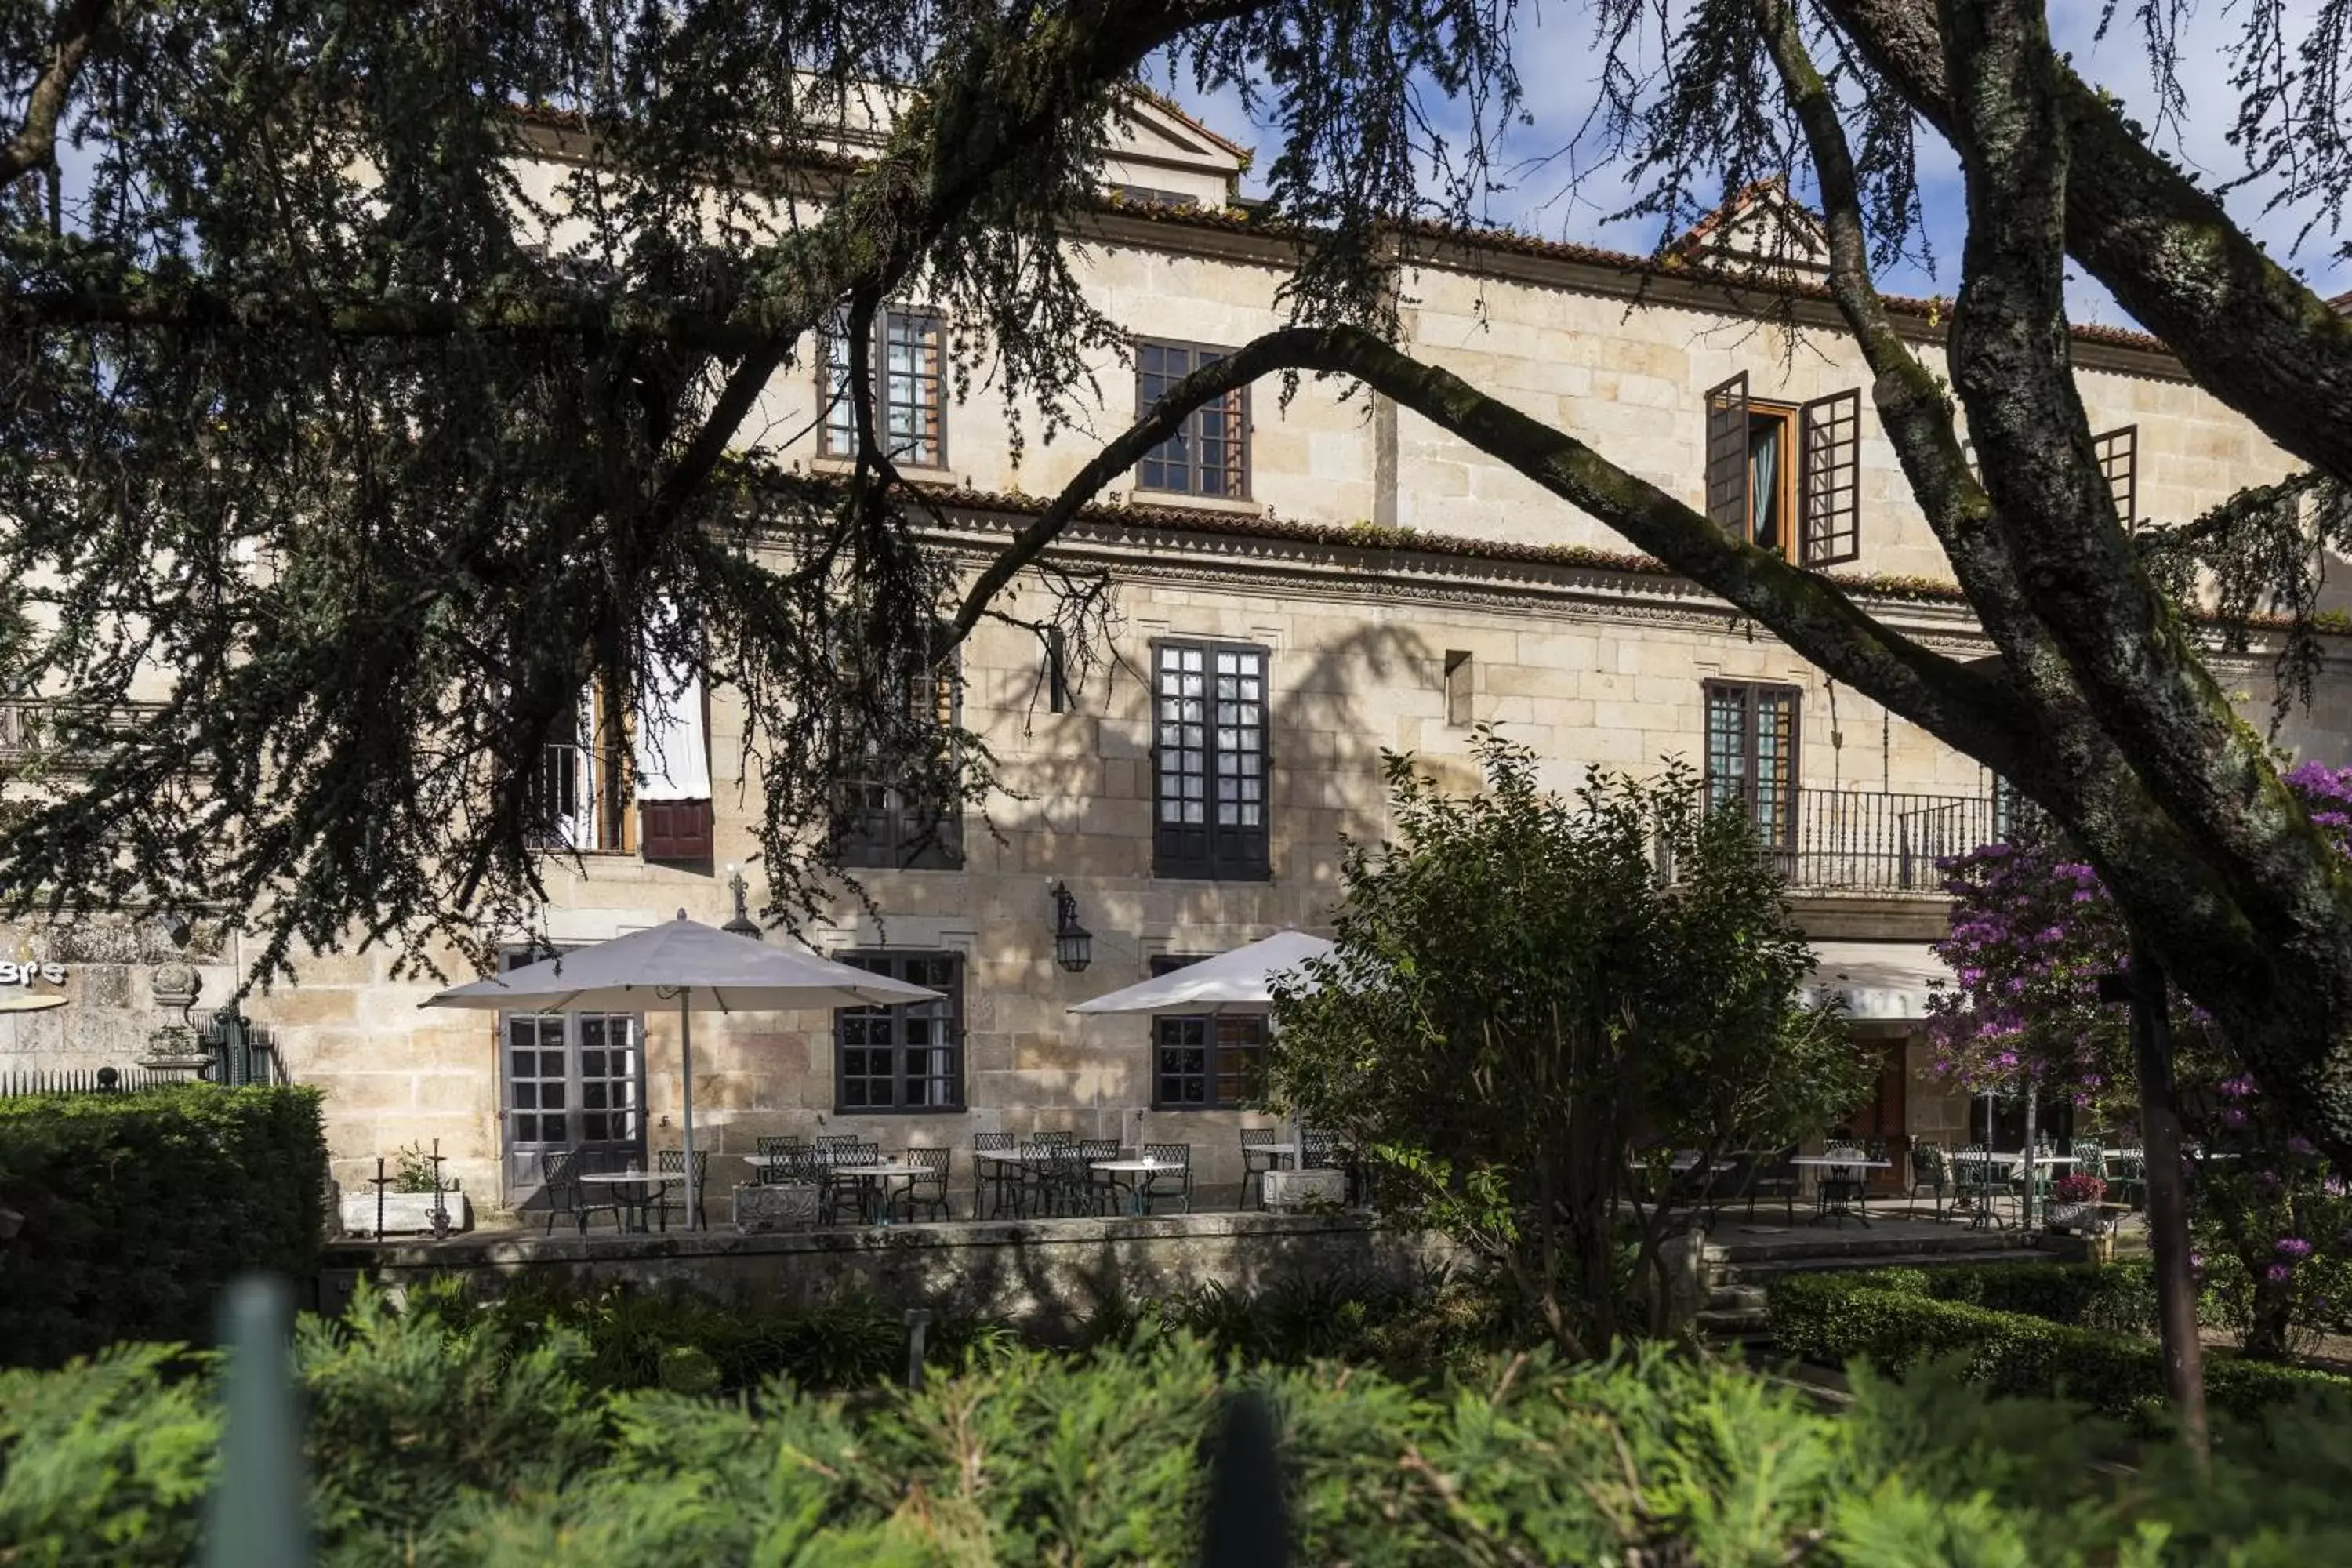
(19, 1081)
(242, 1053)
(1866, 841)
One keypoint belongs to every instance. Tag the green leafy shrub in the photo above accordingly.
(451, 1446)
(2119, 1298)
(1889, 1319)
(139, 1207)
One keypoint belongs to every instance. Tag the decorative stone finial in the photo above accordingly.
(175, 1048)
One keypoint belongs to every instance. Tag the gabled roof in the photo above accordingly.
(1761, 226)
(1167, 107)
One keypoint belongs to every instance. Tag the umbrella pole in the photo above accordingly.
(685, 1062)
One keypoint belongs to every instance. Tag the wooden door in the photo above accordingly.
(1881, 1115)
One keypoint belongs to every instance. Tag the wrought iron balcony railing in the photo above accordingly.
(1868, 841)
(63, 737)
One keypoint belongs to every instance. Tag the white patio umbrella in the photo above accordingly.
(696, 966)
(1240, 981)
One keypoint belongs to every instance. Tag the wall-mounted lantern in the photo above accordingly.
(1074, 945)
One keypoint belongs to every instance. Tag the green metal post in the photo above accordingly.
(258, 1516)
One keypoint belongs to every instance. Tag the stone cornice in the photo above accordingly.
(1297, 561)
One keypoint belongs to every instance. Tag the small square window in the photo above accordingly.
(1458, 679)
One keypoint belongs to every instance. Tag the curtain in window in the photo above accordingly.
(1764, 484)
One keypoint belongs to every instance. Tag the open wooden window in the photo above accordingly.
(1786, 476)
(579, 794)
(669, 737)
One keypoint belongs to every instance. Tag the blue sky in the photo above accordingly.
(1559, 67)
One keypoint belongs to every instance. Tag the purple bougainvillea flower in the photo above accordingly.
(2302, 1148)
(2279, 1273)
(2232, 1116)
(2291, 1247)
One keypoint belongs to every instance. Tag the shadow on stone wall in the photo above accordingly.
(1050, 1277)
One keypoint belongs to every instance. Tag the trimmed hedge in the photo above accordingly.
(1888, 1319)
(138, 1208)
(477, 1447)
(2119, 1298)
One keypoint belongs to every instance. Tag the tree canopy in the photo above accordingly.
(1522, 1018)
(314, 404)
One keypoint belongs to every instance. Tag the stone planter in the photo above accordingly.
(1306, 1189)
(405, 1214)
(2100, 1248)
(782, 1205)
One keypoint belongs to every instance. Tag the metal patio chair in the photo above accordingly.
(930, 1190)
(991, 1177)
(1775, 1177)
(1256, 1160)
(671, 1163)
(1928, 1170)
(1178, 1183)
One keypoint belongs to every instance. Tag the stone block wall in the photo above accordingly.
(1047, 1277)
(110, 1015)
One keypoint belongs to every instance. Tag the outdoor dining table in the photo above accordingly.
(882, 1171)
(636, 1203)
(1145, 1168)
(1840, 1209)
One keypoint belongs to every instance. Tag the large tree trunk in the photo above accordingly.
(2168, 1196)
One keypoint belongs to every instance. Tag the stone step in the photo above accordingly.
(1734, 1322)
(1733, 1298)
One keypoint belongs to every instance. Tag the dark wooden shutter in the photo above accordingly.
(2119, 465)
(1727, 455)
(675, 829)
(1829, 436)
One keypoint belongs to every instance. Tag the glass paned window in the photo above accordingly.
(909, 389)
(908, 1058)
(1210, 455)
(578, 795)
(1751, 755)
(1208, 726)
(574, 1081)
(1205, 1062)
(886, 825)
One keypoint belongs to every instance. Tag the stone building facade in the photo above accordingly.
(1389, 587)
